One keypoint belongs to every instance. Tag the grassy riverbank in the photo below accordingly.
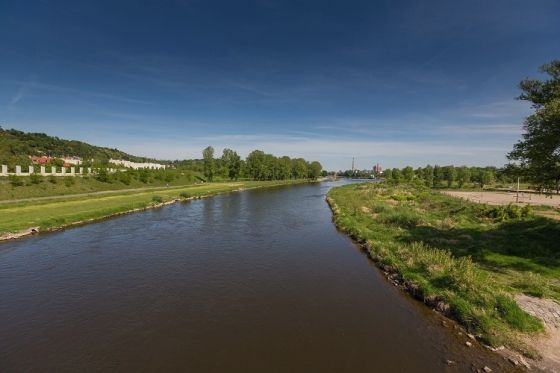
(466, 259)
(58, 213)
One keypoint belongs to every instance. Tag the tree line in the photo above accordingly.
(449, 176)
(258, 165)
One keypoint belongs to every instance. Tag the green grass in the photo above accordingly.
(50, 214)
(472, 257)
(45, 186)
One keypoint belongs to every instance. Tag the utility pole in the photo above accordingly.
(517, 197)
(352, 165)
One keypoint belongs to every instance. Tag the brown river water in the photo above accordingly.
(256, 281)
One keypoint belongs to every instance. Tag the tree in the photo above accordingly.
(208, 158)
(539, 151)
(428, 175)
(388, 174)
(315, 169)
(463, 176)
(486, 178)
(255, 165)
(231, 164)
(450, 175)
(439, 176)
(408, 173)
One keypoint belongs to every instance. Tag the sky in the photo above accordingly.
(392, 82)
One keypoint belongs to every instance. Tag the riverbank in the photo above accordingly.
(30, 217)
(466, 260)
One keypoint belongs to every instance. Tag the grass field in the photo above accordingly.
(54, 186)
(471, 257)
(56, 213)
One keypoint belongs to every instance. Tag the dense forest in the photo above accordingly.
(16, 147)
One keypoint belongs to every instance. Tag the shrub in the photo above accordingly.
(52, 179)
(184, 195)
(16, 181)
(69, 181)
(157, 199)
(35, 179)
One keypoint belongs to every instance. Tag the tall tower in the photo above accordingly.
(352, 165)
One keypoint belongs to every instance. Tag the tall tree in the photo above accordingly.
(539, 151)
(208, 158)
(315, 169)
(231, 164)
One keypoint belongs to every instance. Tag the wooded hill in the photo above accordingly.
(16, 146)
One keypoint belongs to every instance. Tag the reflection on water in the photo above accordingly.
(258, 281)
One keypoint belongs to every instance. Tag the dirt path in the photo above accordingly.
(548, 346)
(503, 198)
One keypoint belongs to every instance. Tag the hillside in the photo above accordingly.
(16, 146)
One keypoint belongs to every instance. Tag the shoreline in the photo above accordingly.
(36, 230)
(437, 301)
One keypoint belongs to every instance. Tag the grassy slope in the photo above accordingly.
(453, 252)
(80, 185)
(59, 213)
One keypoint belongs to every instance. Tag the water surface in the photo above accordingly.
(257, 281)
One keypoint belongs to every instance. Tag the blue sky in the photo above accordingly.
(394, 82)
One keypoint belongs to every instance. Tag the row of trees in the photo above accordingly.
(449, 176)
(257, 166)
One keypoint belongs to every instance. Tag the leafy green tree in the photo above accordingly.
(208, 158)
(231, 163)
(450, 175)
(315, 169)
(539, 151)
(428, 175)
(439, 176)
(388, 174)
(463, 176)
(487, 177)
(255, 165)
(408, 173)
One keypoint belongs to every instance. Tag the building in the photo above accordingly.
(136, 165)
(377, 170)
(74, 161)
(40, 160)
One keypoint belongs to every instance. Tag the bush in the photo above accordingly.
(503, 213)
(16, 181)
(52, 179)
(69, 181)
(35, 179)
(184, 195)
(157, 199)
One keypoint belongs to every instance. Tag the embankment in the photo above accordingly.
(465, 260)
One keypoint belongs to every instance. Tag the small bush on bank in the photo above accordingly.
(35, 179)
(184, 195)
(511, 211)
(69, 181)
(16, 181)
(157, 199)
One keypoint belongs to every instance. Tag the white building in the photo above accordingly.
(136, 165)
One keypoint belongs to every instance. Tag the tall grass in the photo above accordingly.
(456, 252)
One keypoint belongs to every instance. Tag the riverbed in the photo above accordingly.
(253, 281)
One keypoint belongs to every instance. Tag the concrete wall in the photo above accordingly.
(43, 171)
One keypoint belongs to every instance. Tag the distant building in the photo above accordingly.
(377, 169)
(40, 160)
(74, 161)
(136, 165)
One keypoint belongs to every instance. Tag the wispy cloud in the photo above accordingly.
(20, 93)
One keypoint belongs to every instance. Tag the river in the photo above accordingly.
(255, 281)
